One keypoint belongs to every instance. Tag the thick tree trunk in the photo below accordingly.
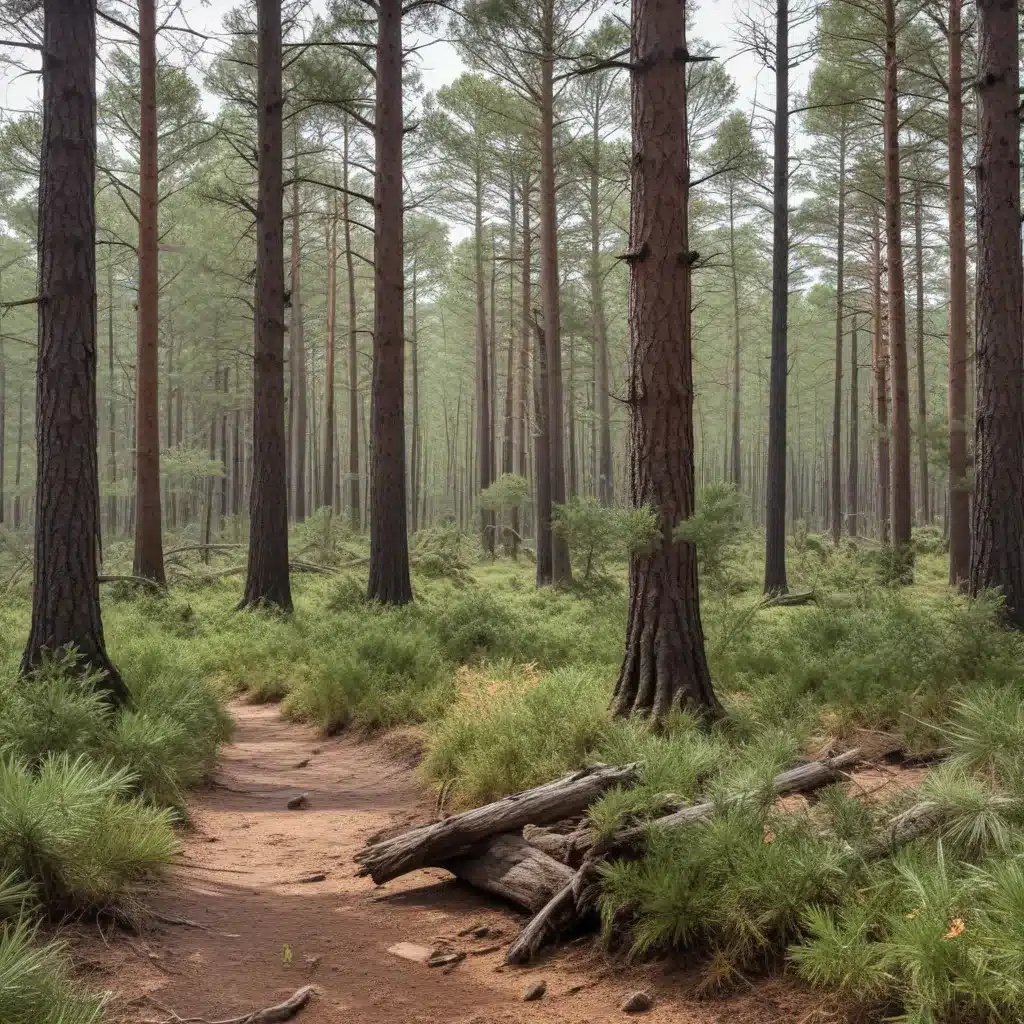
(65, 589)
(542, 456)
(959, 496)
(483, 372)
(327, 475)
(297, 365)
(149, 558)
(902, 495)
(853, 510)
(997, 512)
(354, 500)
(267, 581)
(837, 392)
(922, 398)
(602, 386)
(735, 472)
(389, 542)
(879, 362)
(775, 515)
(665, 665)
(561, 571)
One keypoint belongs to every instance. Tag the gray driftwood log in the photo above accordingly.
(432, 845)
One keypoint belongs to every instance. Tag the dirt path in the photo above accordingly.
(266, 932)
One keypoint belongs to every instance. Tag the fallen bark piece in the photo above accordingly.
(509, 867)
(445, 959)
(432, 845)
(637, 1002)
(316, 876)
(298, 802)
(485, 950)
(535, 992)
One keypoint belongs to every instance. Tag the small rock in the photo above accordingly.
(638, 1002)
(535, 992)
(317, 876)
(445, 959)
(303, 763)
(472, 930)
(312, 962)
(410, 951)
(298, 802)
(318, 750)
(481, 933)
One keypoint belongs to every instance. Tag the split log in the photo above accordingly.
(432, 845)
(802, 779)
(568, 847)
(509, 867)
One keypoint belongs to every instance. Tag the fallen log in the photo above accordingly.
(802, 779)
(432, 845)
(138, 581)
(568, 847)
(554, 917)
(509, 867)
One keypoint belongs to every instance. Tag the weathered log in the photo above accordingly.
(137, 581)
(458, 835)
(554, 917)
(802, 779)
(509, 867)
(791, 599)
(569, 847)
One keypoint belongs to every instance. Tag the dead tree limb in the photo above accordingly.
(138, 581)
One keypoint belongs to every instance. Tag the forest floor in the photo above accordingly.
(274, 904)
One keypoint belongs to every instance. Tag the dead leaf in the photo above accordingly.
(956, 927)
(769, 835)
(913, 914)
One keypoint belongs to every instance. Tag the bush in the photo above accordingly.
(597, 533)
(714, 528)
(438, 553)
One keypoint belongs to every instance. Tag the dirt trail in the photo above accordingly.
(265, 932)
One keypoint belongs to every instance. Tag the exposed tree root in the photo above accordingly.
(269, 1015)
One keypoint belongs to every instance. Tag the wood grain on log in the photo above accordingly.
(432, 845)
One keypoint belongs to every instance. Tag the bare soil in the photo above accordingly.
(275, 904)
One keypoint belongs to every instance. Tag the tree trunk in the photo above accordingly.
(18, 455)
(297, 364)
(570, 410)
(267, 581)
(561, 571)
(149, 558)
(3, 433)
(735, 474)
(878, 363)
(389, 542)
(665, 665)
(111, 409)
(355, 502)
(775, 516)
(542, 456)
(959, 496)
(327, 477)
(605, 474)
(414, 349)
(922, 398)
(997, 513)
(851, 486)
(483, 372)
(837, 394)
(902, 496)
(65, 586)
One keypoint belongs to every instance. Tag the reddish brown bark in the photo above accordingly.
(354, 498)
(602, 387)
(297, 413)
(879, 365)
(902, 495)
(665, 665)
(837, 393)
(922, 398)
(389, 542)
(65, 589)
(327, 476)
(542, 455)
(149, 558)
(851, 486)
(959, 497)
(483, 371)
(997, 513)
(267, 580)
(561, 571)
(414, 373)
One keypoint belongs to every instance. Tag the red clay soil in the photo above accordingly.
(278, 904)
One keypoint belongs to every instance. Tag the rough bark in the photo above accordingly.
(483, 371)
(327, 474)
(879, 363)
(458, 835)
(3, 432)
(602, 387)
(542, 456)
(297, 365)
(267, 582)
(509, 867)
(65, 588)
(837, 392)
(354, 499)
(414, 353)
(922, 398)
(111, 407)
(853, 511)
(149, 559)
(389, 543)
(775, 581)
(561, 571)
(735, 471)
(522, 397)
(997, 512)
(959, 496)
(665, 665)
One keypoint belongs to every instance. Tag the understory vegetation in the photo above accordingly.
(511, 686)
